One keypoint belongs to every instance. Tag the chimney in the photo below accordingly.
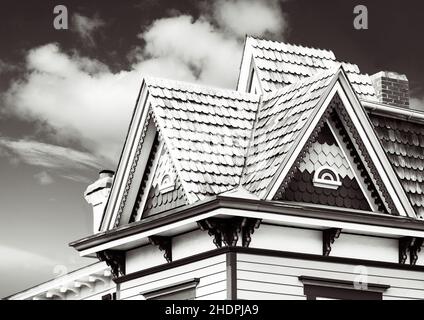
(97, 194)
(391, 88)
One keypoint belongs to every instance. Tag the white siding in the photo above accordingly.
(191, 243)
(366, 247)
(143, 258)
(287, 239)
(210, 271)
(264, 277)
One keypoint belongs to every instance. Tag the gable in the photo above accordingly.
(160, 189)
(287, 122)
(206, 133)
(331, 174)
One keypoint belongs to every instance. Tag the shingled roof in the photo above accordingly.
(280, 64)
(222, 140)
(282, 117)
(207, 131)
(404, 144)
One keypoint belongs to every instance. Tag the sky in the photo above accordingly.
(66, 96)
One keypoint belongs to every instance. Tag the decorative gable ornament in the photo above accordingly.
(167, 183)
(326, 177)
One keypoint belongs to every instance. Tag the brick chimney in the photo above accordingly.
(97, 194)
(391, 88)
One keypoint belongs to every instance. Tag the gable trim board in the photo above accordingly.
(277, 212)
(132, 142)
(340, 85)
(355, 172)
(139, 208)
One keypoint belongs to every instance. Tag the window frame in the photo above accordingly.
(315, 287)
(173, 289)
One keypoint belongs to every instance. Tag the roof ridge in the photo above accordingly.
(301, 83)
(329, 52)
(179, 85)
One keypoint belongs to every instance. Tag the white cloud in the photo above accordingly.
(76, 97)
(251, 17)
(86, 27)
(82, 99)
(49, 155)
(60, 161)
(43, 178)
(210, 56)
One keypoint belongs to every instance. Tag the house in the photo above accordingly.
(304, 183)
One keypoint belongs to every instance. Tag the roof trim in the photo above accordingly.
(239, 206)
(394, 112)
(372, 143)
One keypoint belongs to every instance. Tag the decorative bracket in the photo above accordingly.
(411, 244)
(115, 260)
(227, 231)
(415, 249)
(328, 238)
(248, 228)
(164, 244)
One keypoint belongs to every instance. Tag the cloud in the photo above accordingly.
(43, 178)
(57, 160)
(6, 67)
(80, 98)
(251, 17)
(76, 96)
(49, 155)
(85, 27)
(208, 55)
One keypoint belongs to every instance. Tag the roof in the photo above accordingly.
(207, 132)
(220, 140)
(282, 117)
(404, 143)
(280, 64)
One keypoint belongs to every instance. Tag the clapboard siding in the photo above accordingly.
(220, 295)
(278, 276)
(211, 272)
(143, 258)
(355, 246)
(191, 243)
(287, 239)
(365, 247)
(260, 295)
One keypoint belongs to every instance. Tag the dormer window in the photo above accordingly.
(326, 177)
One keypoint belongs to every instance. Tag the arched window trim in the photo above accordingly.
(326, 177)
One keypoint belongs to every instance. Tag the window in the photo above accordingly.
(327, 289)
(185, 290)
